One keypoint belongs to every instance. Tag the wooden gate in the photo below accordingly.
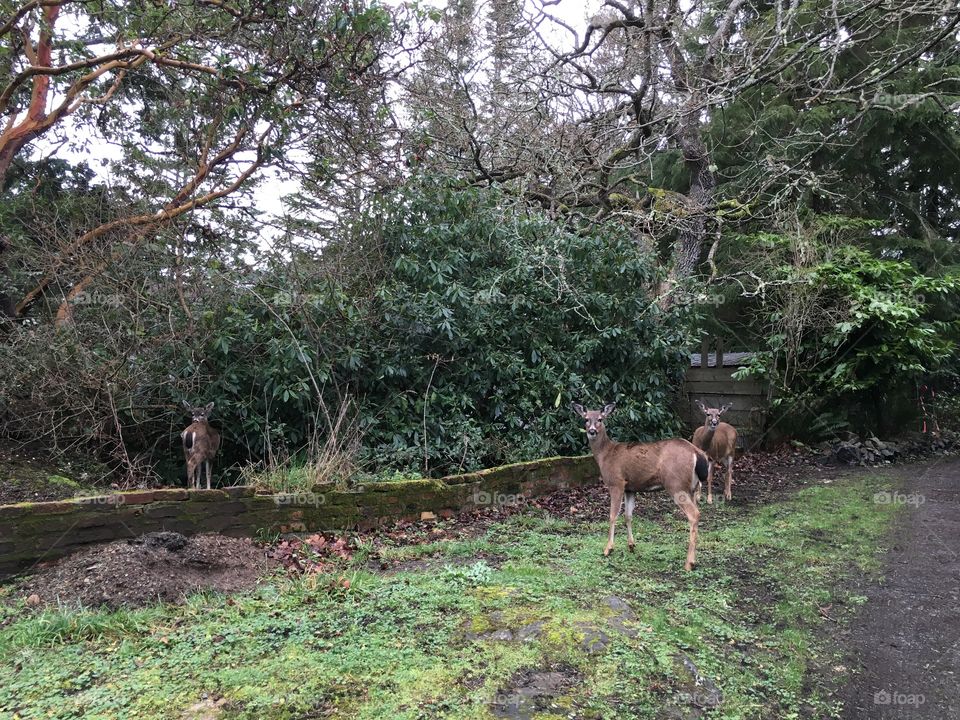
(709, 378)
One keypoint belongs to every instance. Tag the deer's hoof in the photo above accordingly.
(607, 551)
(632, 546)
(709, 499)
(689, 566)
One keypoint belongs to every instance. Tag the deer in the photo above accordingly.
(719, 441)
(628, 468)
(200, 444)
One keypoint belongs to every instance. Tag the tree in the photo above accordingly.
(617, 120)
(201, 98)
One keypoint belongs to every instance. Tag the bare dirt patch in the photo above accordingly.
(160, 566)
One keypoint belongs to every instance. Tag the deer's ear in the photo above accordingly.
(208, 409)
(578, 408)
(186, 406)
(726, 407)
(608, 408)
(700, 405)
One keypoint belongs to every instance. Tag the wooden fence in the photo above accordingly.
(710, 379)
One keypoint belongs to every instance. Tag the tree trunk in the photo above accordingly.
(16, 136)
(693, 232)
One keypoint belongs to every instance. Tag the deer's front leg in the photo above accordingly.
(727, 493)
(616, 499)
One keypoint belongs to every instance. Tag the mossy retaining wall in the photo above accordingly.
(31, 533)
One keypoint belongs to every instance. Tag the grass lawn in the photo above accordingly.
(483, 629)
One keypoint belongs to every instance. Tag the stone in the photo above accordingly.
(207, 495)
(595, 640)
(169, 494)
(530, 632)
(620, 606)
(427, 515)
(139, 497)
(695, 689)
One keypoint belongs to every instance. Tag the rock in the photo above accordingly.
(533, 694)
(594, 640)
(33, 600)
(206, 709)
(427, 515)
(620, 606)
(847, 453)
(695, 689)
(530, 632)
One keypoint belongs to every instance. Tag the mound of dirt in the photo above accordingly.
(163, 566)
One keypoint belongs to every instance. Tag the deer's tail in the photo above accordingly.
(701, 468)
(188, 437)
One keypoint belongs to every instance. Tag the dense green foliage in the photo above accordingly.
(464, 249)
(839, 262)
(466, 346)
(844, 328)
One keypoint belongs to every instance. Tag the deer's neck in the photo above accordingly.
(708, 436)
(601, 444)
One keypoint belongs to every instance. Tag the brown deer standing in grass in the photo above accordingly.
(628, 468)
(200, 444)
(719, 441)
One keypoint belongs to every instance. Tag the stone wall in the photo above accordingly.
(37, 532)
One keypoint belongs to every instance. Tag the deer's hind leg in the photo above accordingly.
(208, 464)
(628, 505)
(709, 481)
(616, 499)
(690, 509)
(193, 473)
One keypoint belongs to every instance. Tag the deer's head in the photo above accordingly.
(594, 419)
(199, 414)
(712, 415)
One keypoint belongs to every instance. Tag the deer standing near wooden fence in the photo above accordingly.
(719, 441)
(628, 468)
(200, 444)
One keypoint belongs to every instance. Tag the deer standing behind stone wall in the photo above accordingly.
(200, 444)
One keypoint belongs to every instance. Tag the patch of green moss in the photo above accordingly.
(64, 481)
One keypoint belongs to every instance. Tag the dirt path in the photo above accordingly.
(906, 641)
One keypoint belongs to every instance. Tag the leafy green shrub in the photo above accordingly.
(483, 321)
(846, 334)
